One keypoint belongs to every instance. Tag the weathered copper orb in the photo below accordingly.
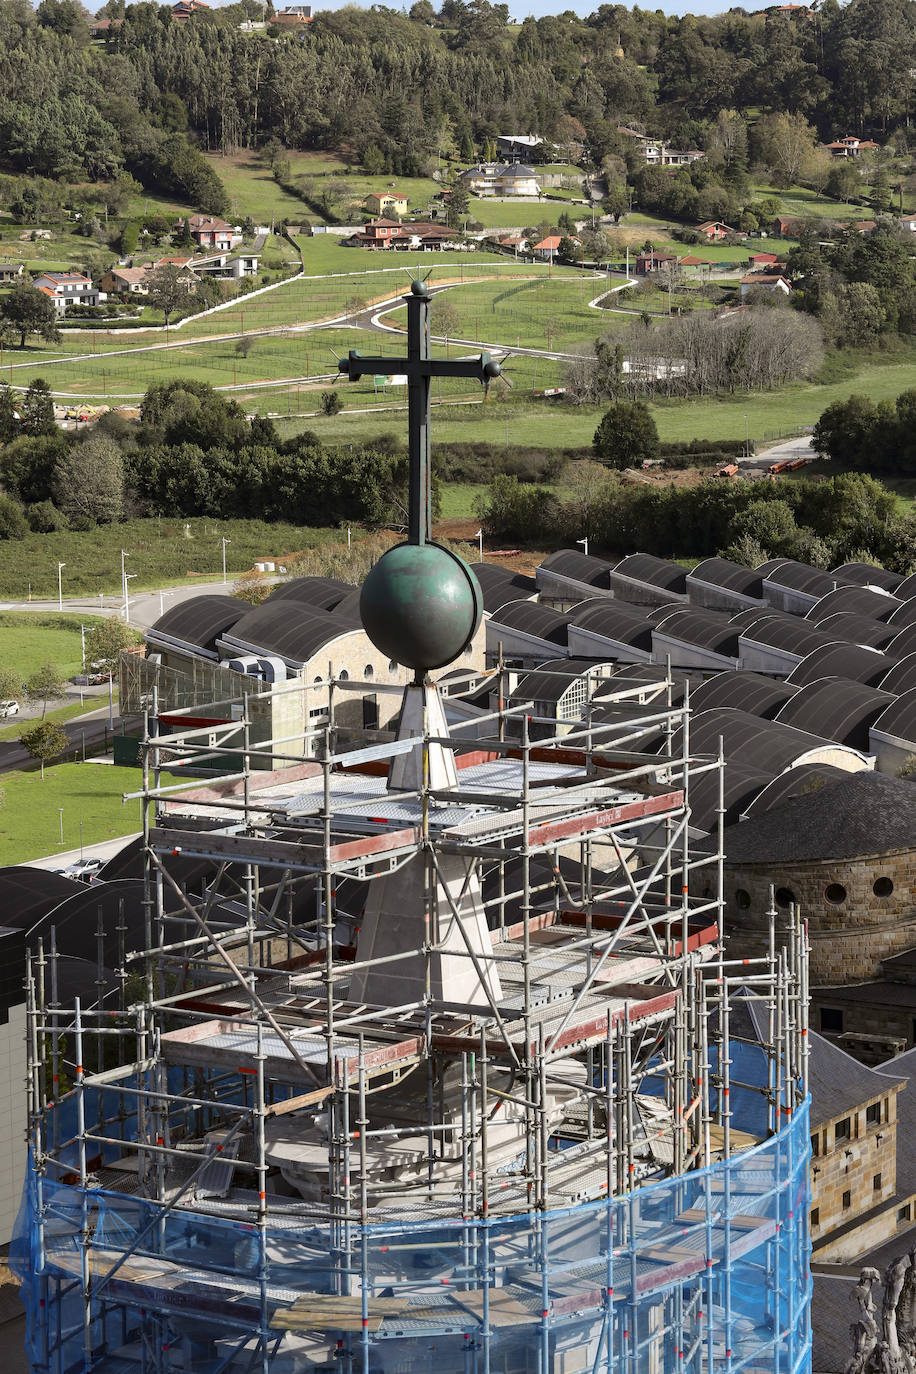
(421, 605)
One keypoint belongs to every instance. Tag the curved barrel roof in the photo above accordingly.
(616, 620)
(287, 628)
(643, 675)
(581, 567)
(751, 692)
(787, 633)
(838, 709)
(854, 661)
(901, 676)
(857, 601)
(904, 613)
(322, 592)
(794, 782)
(200, 621)
(500, 585)
(857, 629)
(764, 746)
(704, 629)
(531, 618)
(906, 588)
(903, 643)
(801, 577)
(899, 718)
(550, 680)
(740, 786)
(731, 577)
(865, 574)
(654, 572)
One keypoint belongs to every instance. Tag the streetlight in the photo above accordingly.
(127, 577)
(747, 438)
(60, 586)
(584, 543)
(124, 554)
(60, 812)
(225, 542)
(161, 606)
(479, 538)
(83, 644)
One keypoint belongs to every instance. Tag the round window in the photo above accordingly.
(882, 887)
(785, 897)
(835, 894)
(742, 899)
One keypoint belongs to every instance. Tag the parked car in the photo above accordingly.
(83, 870)
(9, 708)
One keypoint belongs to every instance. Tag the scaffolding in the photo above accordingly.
(441, 1066)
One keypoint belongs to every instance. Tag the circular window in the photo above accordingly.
(785, 897)
(742, 899)
(835, 894)
(882, 887)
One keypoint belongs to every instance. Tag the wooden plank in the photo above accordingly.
(503, 1310)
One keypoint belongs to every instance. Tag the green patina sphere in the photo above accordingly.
(421, 605)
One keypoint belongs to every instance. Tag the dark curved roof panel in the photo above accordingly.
(751, 692)
(581, 567)
(31, 893)
(289, 629)
(752, 614)
(616, 620)
(854, 661)
(903, 642)
(740, 787)
(907, 588)
(759, 745)
(731, 577)
(704, 629)
(904, 614)
(643, 675)
(899, 718)
(837, 708)
(764, 569)
(794, 782)
(500, 585)
(655, 572)
(201, 620)
(347, 609)
(857, 629)
(788, 633)
(549, 681)
(531, 618)
(855, 601)
(864, 574)
(900, 676)
(324, 593)
(801, 577)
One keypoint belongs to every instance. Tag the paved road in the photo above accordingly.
(785, 451)
(145, 607)
(92, 730)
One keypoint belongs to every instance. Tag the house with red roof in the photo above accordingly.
(851, 147)
(766, 281)
(209, 231)
(653, 262)
(183, 10)
(548, 247)
(714, 229)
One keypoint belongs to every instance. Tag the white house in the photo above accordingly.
(764, 281)
(227, 267)
(68, 288)
(502, 179)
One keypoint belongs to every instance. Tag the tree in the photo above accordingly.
(616, 202)
(44, 741)
(89, 483)
(36, 410)
(445, 320)
(626, 436)
(170, 289)
(11, 683)
(29, 311)
(330, 403)
(104, 643)
(786, 141)
(13, 524)
(44, 684)
(457, 207)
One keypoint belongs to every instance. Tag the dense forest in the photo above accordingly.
(402, 92)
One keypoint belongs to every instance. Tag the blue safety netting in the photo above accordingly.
(704, 1272)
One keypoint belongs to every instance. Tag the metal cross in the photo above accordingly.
(420, 368)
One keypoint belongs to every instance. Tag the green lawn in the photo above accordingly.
(30, 819)
(458, 499)
(28, 641)
(162, 552)
(801, 200)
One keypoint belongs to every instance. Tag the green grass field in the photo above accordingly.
(30, 820)
(162, 552)
(28, 641)
(801, 200)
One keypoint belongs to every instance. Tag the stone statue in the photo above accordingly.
(892, 1349)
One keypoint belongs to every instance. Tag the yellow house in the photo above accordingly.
(386, 203)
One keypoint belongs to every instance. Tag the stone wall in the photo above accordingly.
(844, 1170)
(858, 911)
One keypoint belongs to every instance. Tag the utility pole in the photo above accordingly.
(60, 586)
(124, 554)
(584, 543)
(225, 542)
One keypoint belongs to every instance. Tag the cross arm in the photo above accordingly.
(481, 369)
